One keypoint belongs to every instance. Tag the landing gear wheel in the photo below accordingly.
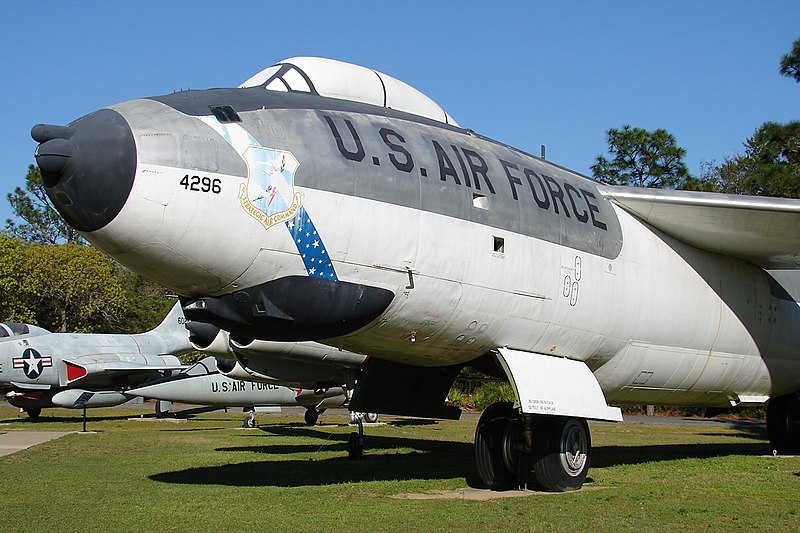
(34, 412)
(355, 447)
(561, 453)
(496, 446)
(783, 424)
(311, 416)
(370, 418)
(162, 408)
(250, 421)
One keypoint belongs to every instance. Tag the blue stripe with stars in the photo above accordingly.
(309, 244)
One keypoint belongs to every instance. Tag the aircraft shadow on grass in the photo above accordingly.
(428, 459)
(603, 456)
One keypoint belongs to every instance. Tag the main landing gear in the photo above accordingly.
(312, 415)
(783, 424)
(544, 452)
(355, 443)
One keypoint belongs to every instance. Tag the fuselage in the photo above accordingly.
(40, 359)
(477, 244)
(202, 384)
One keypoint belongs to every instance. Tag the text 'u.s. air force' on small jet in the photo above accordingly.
(329, 202)
(203, 384)
(40, 369)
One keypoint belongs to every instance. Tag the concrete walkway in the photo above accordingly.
(14, 441)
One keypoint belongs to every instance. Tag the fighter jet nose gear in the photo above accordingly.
(87, 167)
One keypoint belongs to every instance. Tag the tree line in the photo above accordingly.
(768, 166)
(52, 278)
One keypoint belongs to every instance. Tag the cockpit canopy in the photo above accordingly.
(336, 79)
(17, 329)
(204, 367)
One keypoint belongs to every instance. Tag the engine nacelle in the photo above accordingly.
(306, 352)
(322, 398)
(279, 371)
(209, 339)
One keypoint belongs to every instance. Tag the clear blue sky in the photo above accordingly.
(525, 73)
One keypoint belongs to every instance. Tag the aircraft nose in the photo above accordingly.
(87, 167)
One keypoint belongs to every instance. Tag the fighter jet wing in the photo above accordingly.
(764, 231)
(81, 369)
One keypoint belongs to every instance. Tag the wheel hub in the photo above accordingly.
(574, 449)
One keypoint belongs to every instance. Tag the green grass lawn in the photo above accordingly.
(208, 474)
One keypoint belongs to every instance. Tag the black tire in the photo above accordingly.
(34, 412)
(561, 450)
(493, 438)
(355, 448)
(783, 424)
(161, 412)
(311, 416)
(370, 418)
(249, 423)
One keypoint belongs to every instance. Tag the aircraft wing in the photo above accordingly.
(79, 369)
(127, 368)
(764, 231)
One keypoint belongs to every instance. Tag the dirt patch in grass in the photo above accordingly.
(480, 495)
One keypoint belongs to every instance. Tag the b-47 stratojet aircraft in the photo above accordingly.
(76, 370)
(330, 202)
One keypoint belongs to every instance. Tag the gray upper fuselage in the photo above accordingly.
(389, 156)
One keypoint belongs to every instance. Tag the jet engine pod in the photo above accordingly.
(293, 308)
(270, 368)
(209, 339)
(312, 352)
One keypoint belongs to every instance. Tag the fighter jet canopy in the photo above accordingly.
(336, 79)
(16, 329)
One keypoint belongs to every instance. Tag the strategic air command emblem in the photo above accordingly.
(269, 194)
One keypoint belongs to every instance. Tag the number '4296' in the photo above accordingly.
(204, 184)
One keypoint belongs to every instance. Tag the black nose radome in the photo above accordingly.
(52, 156)
(87, 167)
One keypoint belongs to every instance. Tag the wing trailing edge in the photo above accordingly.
(764, 231)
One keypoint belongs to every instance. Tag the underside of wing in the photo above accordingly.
(764, 231)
